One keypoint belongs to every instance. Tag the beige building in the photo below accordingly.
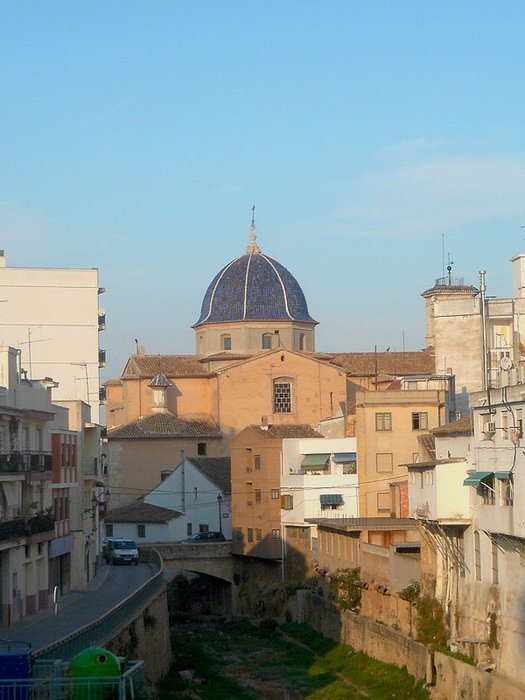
(256, 466)
(53, 316)
(388, 425)
(455, 332)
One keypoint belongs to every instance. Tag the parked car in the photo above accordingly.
(121, 551)
(200, 537)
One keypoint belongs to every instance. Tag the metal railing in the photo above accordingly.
(51, 682)
(28, 461)
(109, 625)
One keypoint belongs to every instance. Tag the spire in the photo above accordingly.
(253, 248)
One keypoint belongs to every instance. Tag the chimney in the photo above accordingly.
(141, 350)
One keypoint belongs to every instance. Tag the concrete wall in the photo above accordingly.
(147, 638)
(362, 634)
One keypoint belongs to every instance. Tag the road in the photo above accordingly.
(111, 586)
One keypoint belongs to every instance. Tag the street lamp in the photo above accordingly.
(219, 502)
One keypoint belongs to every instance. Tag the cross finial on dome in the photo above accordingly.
(253, 248)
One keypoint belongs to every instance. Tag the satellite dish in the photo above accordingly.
(505, 363)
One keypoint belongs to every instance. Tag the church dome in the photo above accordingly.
(254, 287)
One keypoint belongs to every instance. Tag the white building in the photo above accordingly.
(53, 316)
(26, 471)
(321, 477)
(193, 497)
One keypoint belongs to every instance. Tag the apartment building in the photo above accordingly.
(53, 316)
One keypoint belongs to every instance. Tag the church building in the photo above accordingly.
(255, 364)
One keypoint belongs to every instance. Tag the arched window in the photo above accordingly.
(226, 342)
(266, 341)
(302, 341)
(282, 395)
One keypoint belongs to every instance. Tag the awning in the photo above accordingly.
(476, 478)
(315, 461)
(343, 457)
(503, 476)
(331, 499)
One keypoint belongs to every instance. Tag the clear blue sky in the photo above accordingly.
(135, 137)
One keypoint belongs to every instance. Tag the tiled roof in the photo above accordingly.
(167, 425)
(140, 512)
(160, 380)
(169, 365)
(113, 382)
(254, 287)
(216, 469)
(221, 356)
(394, 363)
(463, 426)
(427, 445)
(277, 432)
(451, 289)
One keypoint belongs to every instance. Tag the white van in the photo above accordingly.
(121, 551)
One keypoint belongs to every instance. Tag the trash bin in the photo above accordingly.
(95, 674)
(15, 670)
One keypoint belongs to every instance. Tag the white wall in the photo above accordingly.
(307, 488)
(54, 313)
(199, 506)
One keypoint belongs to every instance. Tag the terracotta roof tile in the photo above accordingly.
(216, 469)
(140, 512)
(276, 432)
(113, 382)
(392, 363)
(463, 426)
(167, 425)
(169, 365)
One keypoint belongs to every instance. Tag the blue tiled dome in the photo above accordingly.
(254, 287)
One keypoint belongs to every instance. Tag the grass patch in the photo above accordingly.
(237, 659)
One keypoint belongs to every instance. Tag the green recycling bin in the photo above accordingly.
(94, 673)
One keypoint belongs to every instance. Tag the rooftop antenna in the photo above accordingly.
(137, 346)
(449, 270)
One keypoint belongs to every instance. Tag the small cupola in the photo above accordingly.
(160, 385)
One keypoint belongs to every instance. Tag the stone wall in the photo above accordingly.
(362, 634)
(147, 638)
(390, 609)
(451, 678)
(456, 680)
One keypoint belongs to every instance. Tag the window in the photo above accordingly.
(282, 396)
(189, 529)
(383, 501)
(201, 449)
(287, 502)
(505, 425)
(276, 534)
(477, 556)
(266, 341)
(257, 461)
(384, 461)
(204, 528)
(275, 493)
(486, 490)
(109, 529)
(226, 342)
(27, 551)
(141, 531)
(257, 495)
(238, 534)
(419, 421)
(302, 342)
(383, 421)
(250, 534)
(258, 534)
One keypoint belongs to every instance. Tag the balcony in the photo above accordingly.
(25, 462)
(18, 526)
(101, 358)
(102, 394)
(102, 321)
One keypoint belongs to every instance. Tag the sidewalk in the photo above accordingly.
(73, 611)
